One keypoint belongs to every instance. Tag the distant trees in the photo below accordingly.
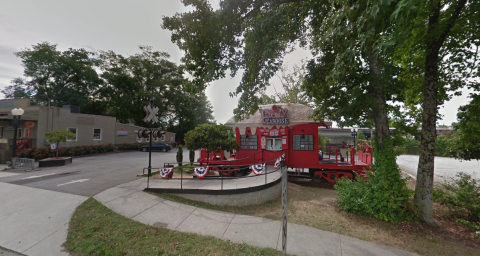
(107, 83)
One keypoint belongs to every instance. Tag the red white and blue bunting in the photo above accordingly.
(257, 168)
(200, 172)
(279, 160)
(165, 172)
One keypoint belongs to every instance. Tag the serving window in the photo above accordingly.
(248, 142)
(274, 144)
(303, 142)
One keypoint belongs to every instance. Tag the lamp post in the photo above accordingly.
(17, 115)
(354, 134)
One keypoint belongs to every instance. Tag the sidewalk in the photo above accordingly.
(129, 200)
(34, 221)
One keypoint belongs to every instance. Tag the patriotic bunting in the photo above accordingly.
(280, 159)
(200, 171)
(165, 172)
(257, 168)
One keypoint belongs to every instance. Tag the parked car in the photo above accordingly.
(157, 146)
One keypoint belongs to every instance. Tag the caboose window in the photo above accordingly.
(274, 144)
(305, 143)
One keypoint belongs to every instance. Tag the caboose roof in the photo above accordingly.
(297, 114)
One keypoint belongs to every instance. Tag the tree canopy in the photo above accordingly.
(107, 83)
(373, 60)
(466, 143)
(212, 137)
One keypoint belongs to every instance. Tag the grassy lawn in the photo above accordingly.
(314, 205)
(96, 230)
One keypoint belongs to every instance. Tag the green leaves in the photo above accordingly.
(212, 137)
(384, 196)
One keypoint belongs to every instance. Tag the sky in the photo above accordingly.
(120, 26)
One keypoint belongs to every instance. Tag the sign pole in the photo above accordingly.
(150, 148)
(151, 118)
(284, 209)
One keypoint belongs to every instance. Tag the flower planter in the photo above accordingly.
(55, 161)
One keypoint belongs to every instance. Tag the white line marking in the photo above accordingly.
(38, 176)
(73, 181)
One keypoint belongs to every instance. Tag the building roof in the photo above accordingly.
(297, 114)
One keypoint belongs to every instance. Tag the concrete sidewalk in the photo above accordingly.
(34, 221)
(129, 200)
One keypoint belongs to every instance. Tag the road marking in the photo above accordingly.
(73, 181)
(38, 176)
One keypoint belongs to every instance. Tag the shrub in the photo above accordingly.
(461, 196)
(180, 156)
(130, 146)
(191, 155)
(41, 153)
(384, 196)
(411, 145)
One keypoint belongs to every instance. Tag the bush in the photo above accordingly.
(180, 156)
(130, 146)
(461, 196)
(411, 145)
(191, 155)
(41, 153)
(384, 196)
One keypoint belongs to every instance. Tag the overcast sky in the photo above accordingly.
(120, 26)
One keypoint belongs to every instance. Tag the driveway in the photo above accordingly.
(445, 167)
(36, 207)
(90, 175)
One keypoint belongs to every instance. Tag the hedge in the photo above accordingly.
(41, 153)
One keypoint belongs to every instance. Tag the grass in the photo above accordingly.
(96, 230)
(314, 205)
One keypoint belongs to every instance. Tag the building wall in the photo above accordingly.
(131, 131)
(53, 118)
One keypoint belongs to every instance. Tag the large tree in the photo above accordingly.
(291, 90)
(351, 81)
(362, 48)
(130, 83)
(57, 78)
(440, 45)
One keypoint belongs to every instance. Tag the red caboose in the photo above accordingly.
(287, 129)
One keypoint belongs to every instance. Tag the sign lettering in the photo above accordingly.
(275, 116)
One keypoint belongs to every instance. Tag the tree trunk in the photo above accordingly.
(426, 163)
(380, 116)
(425, 172)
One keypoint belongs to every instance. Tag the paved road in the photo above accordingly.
(88, 176)
(445, 167)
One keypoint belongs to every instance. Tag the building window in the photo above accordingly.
(305, 143)
(97, 134)
(2, 129)
(74, 131)
(274, 144)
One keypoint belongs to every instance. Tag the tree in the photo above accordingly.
(180, 155)
(17, 90)
(212, 137)
(441, 38)
(130, 83)
(57, 78)
(291, 82)
(188, 112)
(466, 143)
(57, 136)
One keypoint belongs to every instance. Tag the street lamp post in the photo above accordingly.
(17, 115)
(354, 134)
